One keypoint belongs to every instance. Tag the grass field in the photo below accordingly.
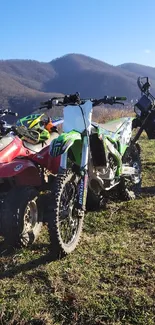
(109, 279)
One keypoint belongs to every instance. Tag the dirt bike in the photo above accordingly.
(95, 158)
(26, 172)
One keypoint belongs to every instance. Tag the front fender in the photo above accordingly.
(62, 144)
(23, 171)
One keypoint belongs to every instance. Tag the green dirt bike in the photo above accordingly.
(95, 158)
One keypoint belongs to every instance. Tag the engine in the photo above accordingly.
(103, 177)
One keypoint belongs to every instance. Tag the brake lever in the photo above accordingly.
(120, 103)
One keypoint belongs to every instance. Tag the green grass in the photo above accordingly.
(108, 279)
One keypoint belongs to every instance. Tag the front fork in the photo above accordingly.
(83, 185)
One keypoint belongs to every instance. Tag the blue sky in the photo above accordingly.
(115, 31)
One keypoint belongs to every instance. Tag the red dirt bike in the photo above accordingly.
(26, 173)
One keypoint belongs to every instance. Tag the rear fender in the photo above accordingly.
(126, 128)
(125, 134)
(64, 142)
(23, 171)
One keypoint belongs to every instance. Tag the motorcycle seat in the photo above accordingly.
(39, 146)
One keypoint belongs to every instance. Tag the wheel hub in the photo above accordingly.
(30, 216)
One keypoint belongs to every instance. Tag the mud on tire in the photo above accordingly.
(21, 216)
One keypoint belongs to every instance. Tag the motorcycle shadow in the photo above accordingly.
(148, 191)
(148, 164)
(7, 253)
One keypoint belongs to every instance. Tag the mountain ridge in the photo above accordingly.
(24, 83)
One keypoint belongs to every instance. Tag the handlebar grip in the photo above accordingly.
(121, 98)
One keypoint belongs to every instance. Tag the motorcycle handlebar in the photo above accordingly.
(12, 113)
(144, 87)
(121, 98)
(49, 103)
(45, 103)
(7, 112)
(75, 100)
(109, 100)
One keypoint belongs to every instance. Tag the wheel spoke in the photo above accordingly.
(67, 225)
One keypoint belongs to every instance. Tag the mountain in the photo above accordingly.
(24, 83)
(139, 69)
(21, 83)
(90, 77)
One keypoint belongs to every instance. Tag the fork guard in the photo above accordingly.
(64, 142)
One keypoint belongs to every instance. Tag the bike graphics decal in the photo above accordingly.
(63, 143)
(83, 192)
